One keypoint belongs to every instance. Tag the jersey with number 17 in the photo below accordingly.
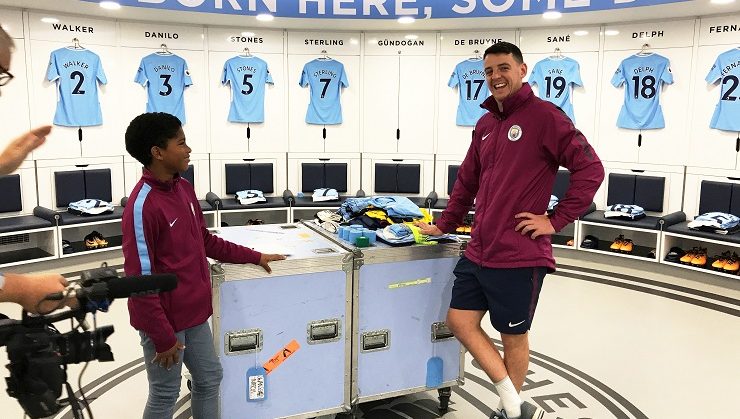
(247, 77)
(727, 70)
(165, 77)
(643, 77)
(471, 82)
(326, 78)
(77, 72)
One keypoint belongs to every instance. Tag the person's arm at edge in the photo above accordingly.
(28, 290)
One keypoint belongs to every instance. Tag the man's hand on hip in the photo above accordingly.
(534, 225)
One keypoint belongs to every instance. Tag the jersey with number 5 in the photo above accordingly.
(326, 78)
(165, 77)
(727, 71)
(77, 73)
(643, 76)
(247, 77)
(555, 78)
(471, 82)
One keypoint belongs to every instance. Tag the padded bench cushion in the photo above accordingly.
(22, 223)
(683, 228)
(391, 178)
(244, 176)
(645, 191)
(233, 204)
(649, 222)
(205, 206)
(70, 219)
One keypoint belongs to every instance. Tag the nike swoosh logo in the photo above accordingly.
(173, 223)
(485, 136)
(516, 324)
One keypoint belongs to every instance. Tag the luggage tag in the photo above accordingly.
(256, 384)
(434, 372)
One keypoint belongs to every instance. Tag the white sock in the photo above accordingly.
(510, 399)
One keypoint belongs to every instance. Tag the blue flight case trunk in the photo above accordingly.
(305, 304)
(400, 300)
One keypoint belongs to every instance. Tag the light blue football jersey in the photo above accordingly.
(727, 70)
(555, 78)
(77, 73)
(471, 81)
(643, 76)
(165, 77)
(247, 77)
(326, 78)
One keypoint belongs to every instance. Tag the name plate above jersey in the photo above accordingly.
(12, 21)
(338, 43)
(235, 39)
(409, 43)
(62, 28)
(656, 35)
(720, 30)
(465, 43)
(153, 35)
(567, 39)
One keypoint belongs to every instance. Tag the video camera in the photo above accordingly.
(39, 353)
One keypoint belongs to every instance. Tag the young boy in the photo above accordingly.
(164, 232)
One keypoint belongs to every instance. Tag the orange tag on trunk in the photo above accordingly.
(281, 356)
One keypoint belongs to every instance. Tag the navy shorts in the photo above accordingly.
(509, 295)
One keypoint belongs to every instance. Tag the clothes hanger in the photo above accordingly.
(76, 44)
(164, 50)
(476, 56)
(246, 53)
(324, 56)
(557, 54)
(644, 51)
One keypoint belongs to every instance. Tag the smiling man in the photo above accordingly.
(509, 171)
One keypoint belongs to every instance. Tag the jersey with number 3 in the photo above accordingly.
(247, 77)
(643, 76)
(326, 78)
(726, 69)
(555, 78)
(471, 82)
(77, 72)
(165, 77)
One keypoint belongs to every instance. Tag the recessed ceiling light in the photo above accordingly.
(353, 41)
(247, 33)
(611, 32)
(110, 5)
(49, 20)
(411, 36)
(406, 19)
(264, 17)
(722, 1)
(552, 14)
(580, 33)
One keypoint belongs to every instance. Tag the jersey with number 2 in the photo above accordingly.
(643, 76)
(326, 78)
(165, 76)
(727, 70)
(77, 72)
(555, 78)
(247, 77)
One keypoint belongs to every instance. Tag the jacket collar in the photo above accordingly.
(511, 103)
(156, 183)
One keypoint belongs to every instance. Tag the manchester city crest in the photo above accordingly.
(515, 133)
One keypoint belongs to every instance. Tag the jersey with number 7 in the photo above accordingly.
(643, 76)
(165, 77)
(77, 72)
(326, 78)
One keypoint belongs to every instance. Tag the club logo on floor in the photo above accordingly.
(515, 133)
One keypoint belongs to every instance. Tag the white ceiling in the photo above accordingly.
(689, 9)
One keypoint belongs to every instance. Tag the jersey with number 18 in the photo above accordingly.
(165, 77)
(726, 69)
(77, 72)
(643, 77)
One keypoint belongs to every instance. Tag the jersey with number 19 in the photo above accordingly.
(247, 77)
(77, 72)
(165, 76)
(471, 82)
(326, 78)
(555, 78)
(643, 76)
(727, 70)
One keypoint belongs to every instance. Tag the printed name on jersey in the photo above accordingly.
(726, 70)
(472, 73)
(72, 28)
(163, 67)
(69, 64)
(161, 35)
(325, 73)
